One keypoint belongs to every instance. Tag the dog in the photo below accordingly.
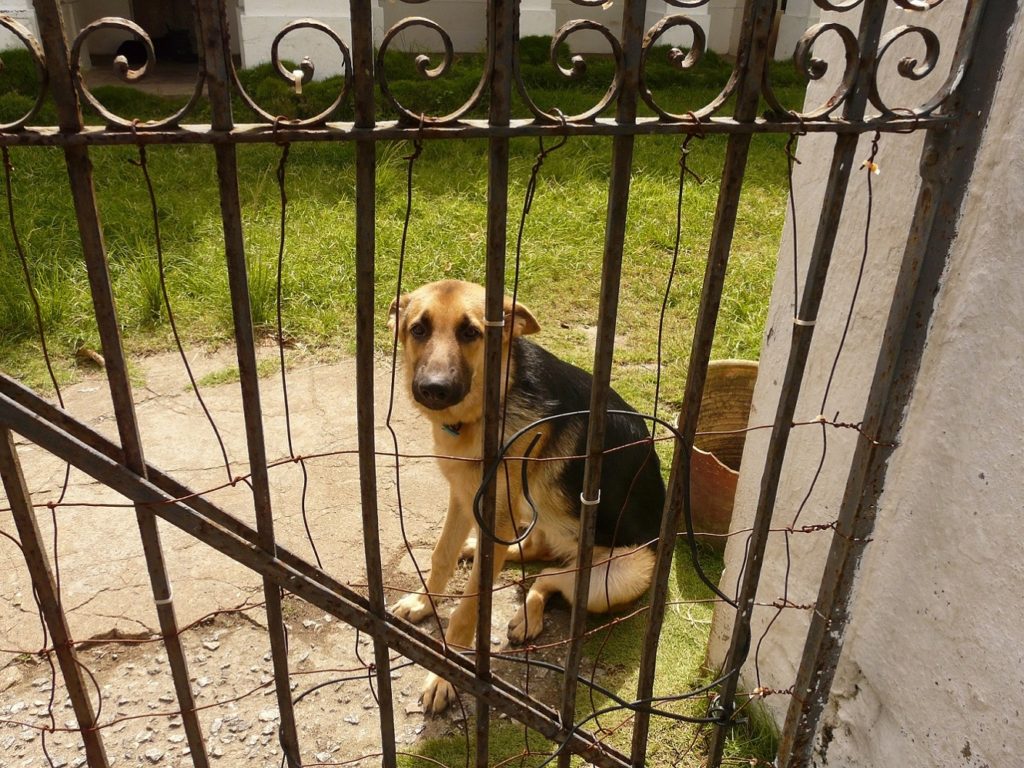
(441, 329)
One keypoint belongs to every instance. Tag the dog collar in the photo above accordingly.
(452, 429)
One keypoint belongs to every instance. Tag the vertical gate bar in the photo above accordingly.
(633, 15)
(46, 590)
(947, 163)
(501, 33)
(79, 167)
(872, 21)
(213, 32)
(757, 23)
(366, 188)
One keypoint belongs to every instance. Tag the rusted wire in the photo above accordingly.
(872, 169)
(143, 165)
(283, 192)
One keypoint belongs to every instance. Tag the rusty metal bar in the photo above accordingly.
(633, 16)
(214, 39)
(366, 188)
(757, 25)
(255, 133)
(83, 195)
(947, 163)
(49, 600)
(501, 23)
(231, 536)
(871, 24)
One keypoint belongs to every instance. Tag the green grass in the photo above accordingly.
(230, 374)
(561, 253)
(560, 277)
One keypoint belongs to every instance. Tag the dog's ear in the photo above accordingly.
(397, 307)
(522, 321)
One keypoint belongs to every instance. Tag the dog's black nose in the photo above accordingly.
(435, 390)
(436, 393)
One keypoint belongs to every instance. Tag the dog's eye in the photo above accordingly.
(418, 330)
(469, 333)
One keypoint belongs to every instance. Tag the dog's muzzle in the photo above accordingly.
(437, 392)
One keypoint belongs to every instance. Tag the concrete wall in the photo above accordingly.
(21, 11)
(933, 663)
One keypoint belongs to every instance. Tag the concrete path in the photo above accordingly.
(104, 582)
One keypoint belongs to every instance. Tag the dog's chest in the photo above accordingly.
(463, 446)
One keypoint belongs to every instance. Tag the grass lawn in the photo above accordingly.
(560, 279)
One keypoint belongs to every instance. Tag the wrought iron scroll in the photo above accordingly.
(129, 74)
(409, 116)
(38, 59)
(908, 67)
(682, 61)
(300, 76)
(575, 72)
(815, 69)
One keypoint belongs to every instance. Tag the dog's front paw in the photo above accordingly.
(414, 607)
(437, 695)
(525, 625)
(468, 551)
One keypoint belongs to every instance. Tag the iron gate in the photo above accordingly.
(951, 120)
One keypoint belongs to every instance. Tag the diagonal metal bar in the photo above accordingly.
(83, 195)
(947, 164)
(238, 541)
(214, 39)
(49, 600)
(843, 154)
(366, 187)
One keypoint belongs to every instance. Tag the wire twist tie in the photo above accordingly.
(805, 323)
(495, 323)
(165, 601)
(588, 503)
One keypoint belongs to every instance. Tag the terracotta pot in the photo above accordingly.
(718, 447)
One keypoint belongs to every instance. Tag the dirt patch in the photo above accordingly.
(106, 592)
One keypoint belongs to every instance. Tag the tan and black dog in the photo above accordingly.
(441, 329)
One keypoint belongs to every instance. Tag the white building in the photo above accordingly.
(254, 24)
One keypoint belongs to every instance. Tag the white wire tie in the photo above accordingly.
(593, 503)
(297, 75)
(495, 323)
(166, 601)
(806, 323)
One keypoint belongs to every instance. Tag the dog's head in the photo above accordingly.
(441, 329)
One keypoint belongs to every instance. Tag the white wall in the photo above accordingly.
(933, 663)
(254, 23)
(21, 11)
(257, 22)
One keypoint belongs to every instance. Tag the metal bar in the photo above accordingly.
(633, 16)
(871, 24)
(256, 133)
(213, 32)
(93, 249)
(49, 599)
(501, 32)
(947, 163)
(757, 24)
(239, 542)
(366, 186)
